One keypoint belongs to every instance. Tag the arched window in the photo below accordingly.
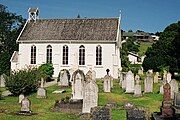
(98, 55)
(33, 54)
(65, 55)
(49, 54)
(81, 55)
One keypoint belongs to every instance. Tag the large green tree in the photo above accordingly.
(165, 53)
(10, 27)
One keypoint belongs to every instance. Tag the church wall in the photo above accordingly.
(108, 57)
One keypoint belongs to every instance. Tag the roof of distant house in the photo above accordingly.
(101, 29)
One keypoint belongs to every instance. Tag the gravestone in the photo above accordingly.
(129, 82)
(164, 75)
(137, 87)
(21, 97)
(136, 114)
(41, 93)
(107, 83)
(88, 76)
(161, 89)
(78, 84)
(2, 80)
(166, 108)
(100, 113)
(93, 75)
(174, 87)
(64, 78)
(25, 105)
(140, 72)
(156, 77)
(120, 78)
(168, 77)
(148, 83)
(90, 97)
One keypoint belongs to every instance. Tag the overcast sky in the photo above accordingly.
(146, 15)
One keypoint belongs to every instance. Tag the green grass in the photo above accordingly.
(42, 107)
(143, 47)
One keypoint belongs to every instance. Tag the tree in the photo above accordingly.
(165, 52)
(46, 70)
(129, 46)
(10, 27)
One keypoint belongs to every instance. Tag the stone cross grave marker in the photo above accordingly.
(129, 82)
(90, 96)
(107, 83)
(78, 84)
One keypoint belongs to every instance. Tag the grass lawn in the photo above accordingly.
(42, 107)
(143, 47)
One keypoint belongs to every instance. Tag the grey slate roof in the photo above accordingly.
(102, 29)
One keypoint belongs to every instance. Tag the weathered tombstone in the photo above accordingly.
(129, 82)
(64, 78)
(21, 97)
(88, 76)
(93, 75)
(107, 83)
(156, 77)
(174, 87)
(90, 97)
(148, 83)
(25, 105)
(78, 84)
(2, 80)
(166, 108)
(168, 77)
(140, 72)
(41, 93)
(137, 87)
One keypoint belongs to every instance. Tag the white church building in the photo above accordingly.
(80, 43)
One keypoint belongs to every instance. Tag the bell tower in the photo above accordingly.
(33, 14)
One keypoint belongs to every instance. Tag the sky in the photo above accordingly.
(146, 15)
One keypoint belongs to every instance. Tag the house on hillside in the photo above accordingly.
(87, 43)
(135, 58)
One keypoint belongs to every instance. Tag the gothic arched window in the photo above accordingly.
(98, 55)
(65, 55)
(81, 55)
(33, 54)
(49, 54)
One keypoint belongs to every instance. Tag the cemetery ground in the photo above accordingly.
(42, 108)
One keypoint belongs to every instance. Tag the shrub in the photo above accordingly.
(46, 70)
(23, 81)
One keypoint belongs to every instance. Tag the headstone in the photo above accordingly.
(90, 97)
(64, 78)
(100, 113)
(168, 77)
(156, 77)
(93, 75)
(140, 72)
(174, 87)
(129, 82)
(2, 80)
(41, 93)
(25, 105)
(21, 97)
(137, 87)
(148, 83)
(78, 84)
(107, 83)
(88, 76)
(166, 108)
